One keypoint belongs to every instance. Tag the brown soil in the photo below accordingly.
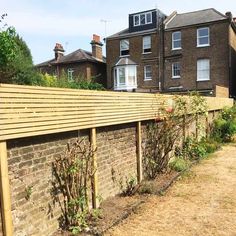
(117, 208)
(202, 202)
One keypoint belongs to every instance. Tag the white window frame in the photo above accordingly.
(174, 76)
(198, 37)
(70, 72)
(176, 40)
(126, 85)
(123, 49)
(145, 73)
(139, 20)
(207, 78)
(145, 47)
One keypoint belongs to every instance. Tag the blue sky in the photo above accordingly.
(42, 23)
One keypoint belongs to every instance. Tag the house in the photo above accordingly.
(78, 64)
(174, 54)
(199, 49)
(133, 54)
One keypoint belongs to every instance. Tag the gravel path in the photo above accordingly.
(201, 203)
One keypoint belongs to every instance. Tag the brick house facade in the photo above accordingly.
(78, 64)
(190, 51)
(143, 51)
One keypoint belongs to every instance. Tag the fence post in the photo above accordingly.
(5, 191)
(139, 152)
(95, 175)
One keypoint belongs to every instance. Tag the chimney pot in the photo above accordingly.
(97, 47)
(59, 51)
(96, 38)
(229, 15)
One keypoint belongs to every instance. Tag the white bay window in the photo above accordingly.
(125, 77)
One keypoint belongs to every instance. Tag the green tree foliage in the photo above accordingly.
(16, 65)
(7, 42)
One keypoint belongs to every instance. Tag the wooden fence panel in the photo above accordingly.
(27, 111)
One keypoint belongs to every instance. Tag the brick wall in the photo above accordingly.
(30, 167)
(30, 162)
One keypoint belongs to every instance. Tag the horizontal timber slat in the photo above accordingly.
(27, 111)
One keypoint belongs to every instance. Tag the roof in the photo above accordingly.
(194, 18)
(79, 55)
(125, 61)
(126, 33)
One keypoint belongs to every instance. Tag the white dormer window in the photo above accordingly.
(142, 19)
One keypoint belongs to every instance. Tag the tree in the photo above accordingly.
(16, 65)
(8, 45)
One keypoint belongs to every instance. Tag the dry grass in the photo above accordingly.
(202, 202)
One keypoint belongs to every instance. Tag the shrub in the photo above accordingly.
(73, 173)
(224, 127)
(47, 80)
(210, 145)
(163, 135)
(179, 164)
(191, 149)
(127, 187)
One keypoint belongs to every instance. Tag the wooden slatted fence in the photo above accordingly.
(28, 111)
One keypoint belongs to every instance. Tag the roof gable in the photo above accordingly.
(194, 18)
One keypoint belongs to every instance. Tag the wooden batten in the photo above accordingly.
(139, 152)
(5, 192)
(93, 140)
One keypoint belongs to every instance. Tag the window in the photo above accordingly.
(147, 72)
(124, 47)
(203, 37)
(136, 20)
(70, 72)
(176, 70)
(143, 19)
(203, 69)
(176, 40)
(125, 77)
(146, 44)
(148, 18)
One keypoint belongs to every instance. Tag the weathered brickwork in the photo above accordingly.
(116, 151)
(30, 170)
(30, 173)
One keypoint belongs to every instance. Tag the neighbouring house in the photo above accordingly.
(199, 49)
(174, 54)
(78, 64)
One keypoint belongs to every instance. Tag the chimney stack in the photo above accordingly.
(97, 47)
(229, 15)
(59, 51)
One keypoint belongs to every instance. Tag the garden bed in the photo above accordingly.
(117, 208)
